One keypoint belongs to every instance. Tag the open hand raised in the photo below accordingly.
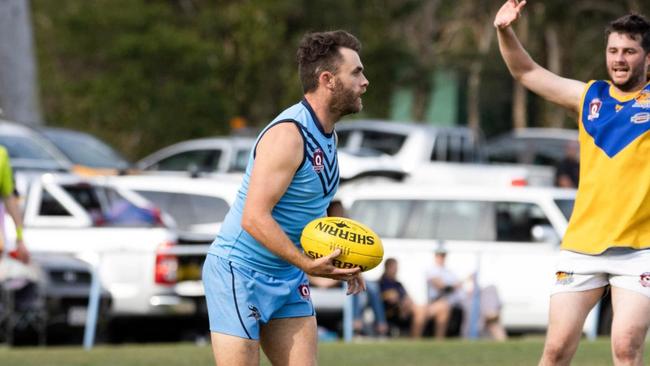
(508, 13)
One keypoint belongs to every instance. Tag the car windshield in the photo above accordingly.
(189, 210)
(566, 206)
(107, 207)
(84, 149)
(23, 147)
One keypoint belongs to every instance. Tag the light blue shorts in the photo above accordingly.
(240, 299)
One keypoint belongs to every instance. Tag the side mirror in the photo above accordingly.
(544, 234)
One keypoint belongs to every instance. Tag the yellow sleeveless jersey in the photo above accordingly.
(612, 207)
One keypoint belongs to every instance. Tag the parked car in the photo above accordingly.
(410, 144)
(116, 229)
(197, 205)
(30, 151)
(537, 146)
(428, 154)
(88, 154)
(201, 156)
(46, 302)
(508, 235)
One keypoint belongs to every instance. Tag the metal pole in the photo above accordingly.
(347, 317)
(93, 306)
(475, 310)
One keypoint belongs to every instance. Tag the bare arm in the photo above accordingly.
(278, 155)
(13, 209)
(556, 89)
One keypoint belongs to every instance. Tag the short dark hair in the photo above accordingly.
(632, 25)
(320, 52)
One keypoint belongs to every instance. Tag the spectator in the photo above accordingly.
(567, 171)
(401, 311)
(489, 320)
(444, 294)
(11, 205)
(372, 298)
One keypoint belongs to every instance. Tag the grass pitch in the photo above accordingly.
(378, 353)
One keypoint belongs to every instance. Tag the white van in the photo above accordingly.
(509, 235)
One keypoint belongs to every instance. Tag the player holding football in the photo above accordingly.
(255, 272)
(607, 242)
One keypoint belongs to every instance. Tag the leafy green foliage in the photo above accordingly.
(146, 73)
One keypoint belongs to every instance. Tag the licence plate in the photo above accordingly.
(77, 315)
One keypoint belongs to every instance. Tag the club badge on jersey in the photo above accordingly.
(317, 160)
(594, 109)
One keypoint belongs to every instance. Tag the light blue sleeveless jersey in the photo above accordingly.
(307, 197)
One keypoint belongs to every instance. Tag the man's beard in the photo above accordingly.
(637, 77)
(344, 101)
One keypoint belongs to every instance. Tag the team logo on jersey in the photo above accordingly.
(303, 290)
(254, 312)
(642, 100)
(317, 160)
(594, 109)
(563, 278)
(618, 107)
(639, 118)
(645, 279)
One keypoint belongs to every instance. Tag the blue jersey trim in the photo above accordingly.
(297, 124)
(234, 296)
(315, 118)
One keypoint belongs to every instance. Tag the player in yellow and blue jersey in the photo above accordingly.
(607, 243)
(254, 275)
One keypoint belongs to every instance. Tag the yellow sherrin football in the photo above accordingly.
(360, 246)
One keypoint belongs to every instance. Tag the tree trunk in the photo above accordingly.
(519, 93)
(553, 114)
(484, 35)
(18, 85)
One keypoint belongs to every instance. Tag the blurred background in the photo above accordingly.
(129, 124)
(142, 74)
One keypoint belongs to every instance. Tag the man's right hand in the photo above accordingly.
(324, 267)
(508, 13)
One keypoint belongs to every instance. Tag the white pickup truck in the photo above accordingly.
(110, 227)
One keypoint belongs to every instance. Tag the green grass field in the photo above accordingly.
(377, 353)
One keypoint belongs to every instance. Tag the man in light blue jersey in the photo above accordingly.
(255, 273)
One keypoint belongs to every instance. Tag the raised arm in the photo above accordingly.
(278, 156)
(556, 89)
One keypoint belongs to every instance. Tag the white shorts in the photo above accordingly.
(628, 269)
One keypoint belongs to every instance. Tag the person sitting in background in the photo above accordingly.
(489, 307)
(444, 294)
(370, 298)
(400, 308)
(567, 171)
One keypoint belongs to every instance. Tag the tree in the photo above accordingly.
(18, 86)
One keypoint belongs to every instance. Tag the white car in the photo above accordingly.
(198, 206)
(200, 156)
(428, 154)
(409, 144)
(111, 227)
(508, 235)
